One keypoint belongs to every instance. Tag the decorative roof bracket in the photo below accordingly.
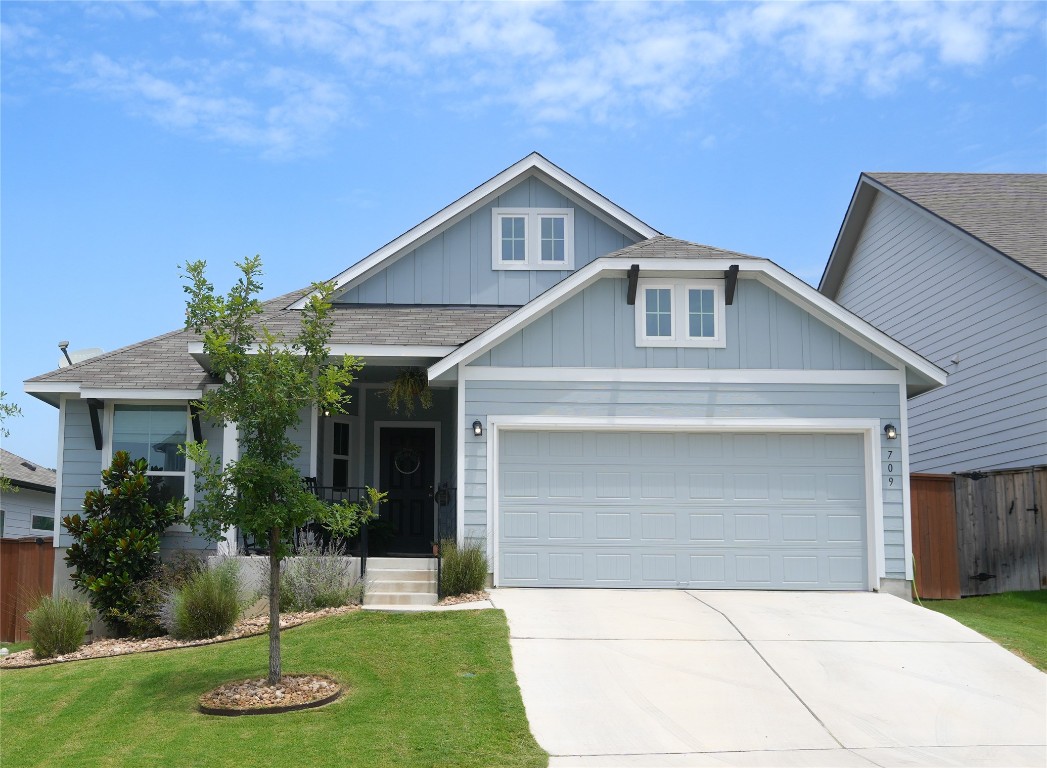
(634, 276)
(731, 276)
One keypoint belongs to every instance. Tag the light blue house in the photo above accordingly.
(612, 408)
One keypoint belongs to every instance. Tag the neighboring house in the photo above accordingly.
(612, 407)
(954, 265)
(28, 508)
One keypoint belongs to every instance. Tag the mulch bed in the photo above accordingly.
(257, 697)
(122, 646)
(471, 597)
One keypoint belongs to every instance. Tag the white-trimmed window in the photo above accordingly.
(680, 313)
(154, 433)
(532, 238)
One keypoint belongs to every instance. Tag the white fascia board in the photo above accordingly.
(532, 162)
(50, 387)
(196, 349)
(687, 424)
(141, 394)
(685, 375)
(391, 350)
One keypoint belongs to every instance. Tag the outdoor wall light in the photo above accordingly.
(890, 431)
(478, 428)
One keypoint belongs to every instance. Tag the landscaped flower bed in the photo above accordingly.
(121, 646)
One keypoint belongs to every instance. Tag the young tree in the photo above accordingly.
(266, 381)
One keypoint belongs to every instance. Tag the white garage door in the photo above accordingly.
(691, 510)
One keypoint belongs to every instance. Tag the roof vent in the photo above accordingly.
(30, 467)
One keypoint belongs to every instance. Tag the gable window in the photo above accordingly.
(658, 311)
(154, 433)
(680, 313)
(533, 238)
(514, 238)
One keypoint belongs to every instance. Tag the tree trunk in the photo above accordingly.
(274, 606)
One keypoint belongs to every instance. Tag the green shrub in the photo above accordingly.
(148, 597)
(207, 605)
(464, 570)
(318, 577)
(57, 625)
(116, 541)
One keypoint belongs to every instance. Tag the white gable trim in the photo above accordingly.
(528, 165)
(847, 323)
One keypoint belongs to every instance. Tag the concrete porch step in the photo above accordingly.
(372, 598)
(390, 585)
(402, 563)
(394, 574)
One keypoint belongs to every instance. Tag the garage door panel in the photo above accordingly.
(641, 509)
(729, 567)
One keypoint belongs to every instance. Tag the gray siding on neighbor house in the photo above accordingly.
(596, 328)
(20, 506)
(948, 298)
(454, 267)
(484, 399)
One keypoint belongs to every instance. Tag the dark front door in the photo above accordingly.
(408, 457)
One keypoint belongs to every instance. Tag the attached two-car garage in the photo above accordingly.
(688, 509)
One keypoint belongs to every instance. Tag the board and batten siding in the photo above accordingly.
(82, 466)
(949, 298)
(483, 399)
(454, 266)
(596, 328)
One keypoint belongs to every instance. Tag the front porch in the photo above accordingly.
(411, 457)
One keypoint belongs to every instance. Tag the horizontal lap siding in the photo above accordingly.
(82, 471)
(947, 298)
(81, 462)
(602, 400)
(597, 328)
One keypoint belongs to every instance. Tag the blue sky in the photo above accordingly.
(135, 137)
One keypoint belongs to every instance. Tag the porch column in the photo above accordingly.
(230, 453)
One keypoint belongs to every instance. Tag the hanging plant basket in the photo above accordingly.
(411, 385)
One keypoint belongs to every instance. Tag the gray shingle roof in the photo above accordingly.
(164, 362)
(1006, 211)
(25, 473)
(662, 247)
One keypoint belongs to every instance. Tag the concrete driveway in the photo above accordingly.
(689, 678)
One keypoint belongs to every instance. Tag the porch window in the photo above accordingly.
(154, 433)
(340, 456)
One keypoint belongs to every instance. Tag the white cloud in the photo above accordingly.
(301, 107)
(279, 75)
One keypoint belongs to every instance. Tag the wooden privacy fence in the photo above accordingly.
(997, 535)
(26, 572)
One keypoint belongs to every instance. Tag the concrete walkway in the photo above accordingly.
(681, 678)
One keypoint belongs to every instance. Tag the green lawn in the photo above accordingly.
(1016, 620)
(409, 702)
(12, 647)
